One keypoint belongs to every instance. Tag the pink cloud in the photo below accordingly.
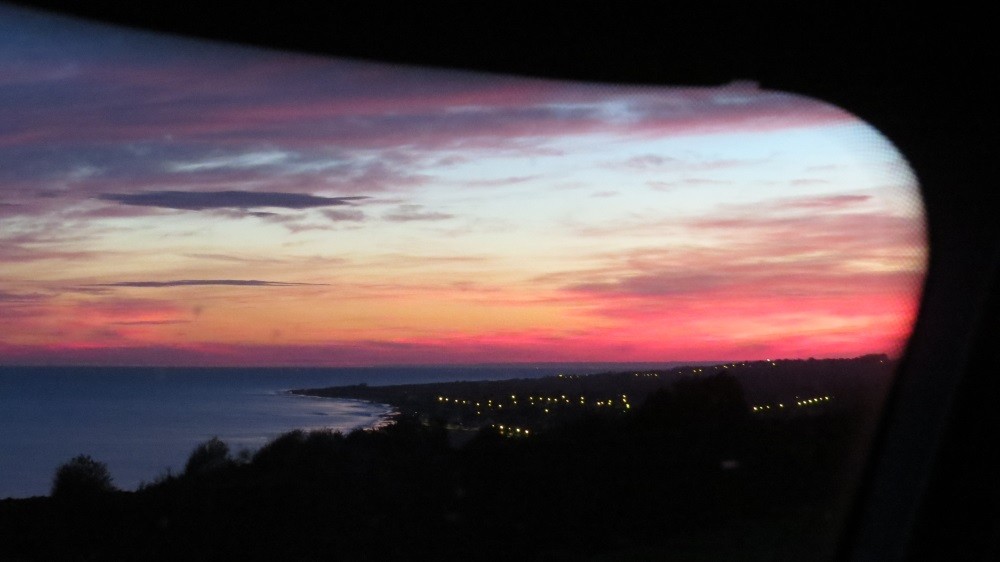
(811, 275)
(303, 101)
(595, 346)
(823, 202)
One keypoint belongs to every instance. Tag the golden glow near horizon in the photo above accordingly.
(164, 201)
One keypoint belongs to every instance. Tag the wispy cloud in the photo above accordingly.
(825, 202)
(351, 215)
(150, 322)
(496, 182)
(406, 213)
(9, 297)
(659, 185)
(203, 200)
(236, 259)
(204, 282)
(248, 160)
(809, 181)
(826, 266)
(647, 161)
(683, 163)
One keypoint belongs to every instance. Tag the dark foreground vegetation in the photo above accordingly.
(689, 472)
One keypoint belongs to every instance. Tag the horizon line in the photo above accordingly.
(451, 365)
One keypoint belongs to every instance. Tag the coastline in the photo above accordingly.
(386, 418)
(142, 423)
(528, 406)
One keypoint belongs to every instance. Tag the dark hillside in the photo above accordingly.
(687, 471)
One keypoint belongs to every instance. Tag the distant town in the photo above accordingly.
(526, 407)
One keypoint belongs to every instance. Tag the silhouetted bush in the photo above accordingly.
(82, 477)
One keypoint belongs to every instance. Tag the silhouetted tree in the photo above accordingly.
(207, 457)
(716, 400)
(81, 477)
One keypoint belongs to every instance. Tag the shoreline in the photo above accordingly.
(384, 419)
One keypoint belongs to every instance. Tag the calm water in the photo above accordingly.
(144, 421)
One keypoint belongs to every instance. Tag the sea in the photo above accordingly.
(144, 422)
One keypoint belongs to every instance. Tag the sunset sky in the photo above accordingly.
(166, 201)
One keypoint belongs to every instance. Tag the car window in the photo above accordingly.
(176, 204)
